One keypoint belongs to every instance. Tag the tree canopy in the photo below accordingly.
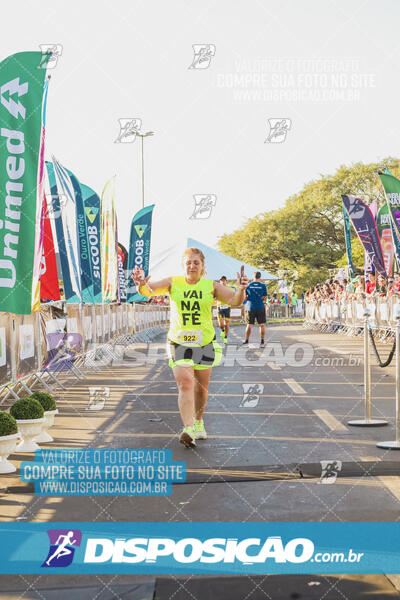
(306, 235)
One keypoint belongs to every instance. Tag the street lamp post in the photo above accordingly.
(143, 135)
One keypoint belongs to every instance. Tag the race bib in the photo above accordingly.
(190, 338)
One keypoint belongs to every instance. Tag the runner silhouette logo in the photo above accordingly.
(251, 394)
(203, 54)
(63, 543)
(203, 205)
(278, 129)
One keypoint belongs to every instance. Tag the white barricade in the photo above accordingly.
(61, 333)
(350, 313)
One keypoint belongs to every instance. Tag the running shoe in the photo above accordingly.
(245, 342)
(222, 335)
(199, 430)
(262, 344)
(187, 437)
(225, 340)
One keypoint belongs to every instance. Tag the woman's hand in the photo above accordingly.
(138, 277)
(242, 282)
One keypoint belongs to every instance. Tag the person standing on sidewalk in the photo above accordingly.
(256, 294)
(224, 313)
(191, 340)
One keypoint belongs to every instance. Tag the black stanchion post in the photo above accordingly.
(367, 422)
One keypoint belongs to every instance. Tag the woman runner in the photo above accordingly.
(191, 340)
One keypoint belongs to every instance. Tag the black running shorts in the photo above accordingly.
(224, 313)
(198, 357)
(256, 315)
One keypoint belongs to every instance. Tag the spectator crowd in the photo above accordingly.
(357, 288)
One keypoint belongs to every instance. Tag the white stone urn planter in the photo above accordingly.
(29, 429)
(8, 445)
(44, 436)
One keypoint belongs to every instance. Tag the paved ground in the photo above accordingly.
(305, 388)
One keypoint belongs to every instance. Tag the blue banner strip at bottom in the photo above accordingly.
(199, 548)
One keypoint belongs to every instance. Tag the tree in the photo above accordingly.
(306, 234)
(357, 252)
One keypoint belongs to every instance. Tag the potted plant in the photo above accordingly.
(29, 415)
(8, 441)
(50, 410)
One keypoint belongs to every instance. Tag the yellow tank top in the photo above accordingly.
(191, 317)
(220, 304)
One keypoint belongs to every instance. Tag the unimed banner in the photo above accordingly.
(139, 249)
(21, 99)
(365, 226)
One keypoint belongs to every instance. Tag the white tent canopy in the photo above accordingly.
(169, 262)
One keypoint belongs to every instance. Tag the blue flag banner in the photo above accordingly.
(139, 249)
(71, 289)
(199, 548)
(68, 219)
(85, 261)
(366, 229)
(91, 202)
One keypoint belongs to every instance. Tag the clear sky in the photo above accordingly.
(331, 67)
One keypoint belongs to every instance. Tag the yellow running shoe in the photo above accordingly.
(187, 437)
(199, 430)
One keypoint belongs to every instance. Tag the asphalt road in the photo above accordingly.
(273, 415)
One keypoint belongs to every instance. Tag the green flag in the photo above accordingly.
(347, 237)
(21, 98)
(391, 185)
(385, 235)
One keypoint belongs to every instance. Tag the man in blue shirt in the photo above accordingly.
(256, 294)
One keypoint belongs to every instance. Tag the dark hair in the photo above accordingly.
(223, 277)
(257, 275)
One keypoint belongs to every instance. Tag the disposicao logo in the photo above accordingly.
(62, 550)
(190, 550)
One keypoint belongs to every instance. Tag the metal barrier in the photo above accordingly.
(347, 316)
(65, 339)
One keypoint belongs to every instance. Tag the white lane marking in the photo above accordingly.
(273, 366)
(337, 351)
(294, 386)
(392, 482)
(330, 420)
(369, 459)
